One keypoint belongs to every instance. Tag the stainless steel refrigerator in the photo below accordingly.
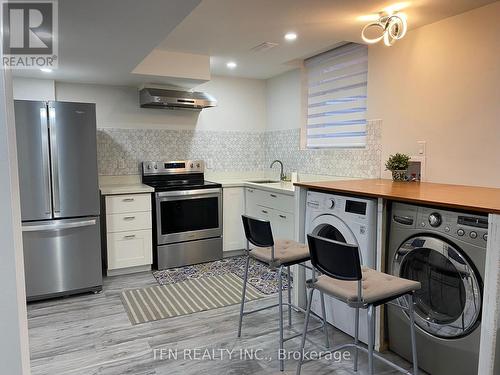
(57, 158)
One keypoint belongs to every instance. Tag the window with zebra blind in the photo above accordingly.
(336, 98)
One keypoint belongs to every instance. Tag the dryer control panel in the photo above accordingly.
(471, 228)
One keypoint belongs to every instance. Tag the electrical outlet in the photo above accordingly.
(421, 147)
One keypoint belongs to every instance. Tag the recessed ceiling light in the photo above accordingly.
(46, 70)
(231, 65)
(290, 36)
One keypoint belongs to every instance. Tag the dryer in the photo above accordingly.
(346, 219)
(446, 251)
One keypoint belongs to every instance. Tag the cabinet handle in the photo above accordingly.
(129, 218)
(273, 195)
(128, 200)
(129, 237)
(283, 216)
(264, 212)
(250, 190)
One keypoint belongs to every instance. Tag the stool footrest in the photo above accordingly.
(300, 334)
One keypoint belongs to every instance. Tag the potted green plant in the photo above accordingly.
(398, 165)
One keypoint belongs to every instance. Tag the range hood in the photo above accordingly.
(175, 99)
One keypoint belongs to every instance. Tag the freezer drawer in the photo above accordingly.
(62, 257)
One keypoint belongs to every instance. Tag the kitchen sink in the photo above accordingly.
(263, 181)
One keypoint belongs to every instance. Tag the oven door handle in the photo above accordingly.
(184, 193)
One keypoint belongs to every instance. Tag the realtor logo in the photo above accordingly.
(29, 34)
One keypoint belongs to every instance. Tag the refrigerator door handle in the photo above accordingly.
(46, 159)
(59, 226)
(55, 161)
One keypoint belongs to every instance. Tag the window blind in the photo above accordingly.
(336, 97)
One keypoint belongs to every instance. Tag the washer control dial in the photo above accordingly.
(331, 203)
(460, 232)
(473, 234)
(435, 219)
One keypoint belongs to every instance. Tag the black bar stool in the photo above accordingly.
(359, 287)
(279, 254)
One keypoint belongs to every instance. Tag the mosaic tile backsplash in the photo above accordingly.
(120, 151)
(361, 162)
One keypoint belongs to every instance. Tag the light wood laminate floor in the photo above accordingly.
(91, 334)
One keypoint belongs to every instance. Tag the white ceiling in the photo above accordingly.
(102, 41)
(228, 29)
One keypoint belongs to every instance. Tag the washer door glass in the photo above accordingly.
(449, 302)
(333, 228)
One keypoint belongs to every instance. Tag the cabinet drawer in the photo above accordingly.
(128, 221)
(116, 204)
(269, 199)
(280, 202)
(129, 249)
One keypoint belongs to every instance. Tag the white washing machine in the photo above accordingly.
(350, 220)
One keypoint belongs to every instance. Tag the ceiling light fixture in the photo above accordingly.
(290, 36)
(392, 26)
(231, 65)
(46, 70)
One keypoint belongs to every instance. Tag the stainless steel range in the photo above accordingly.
(187, 213)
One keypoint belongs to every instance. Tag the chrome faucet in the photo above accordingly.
(282, 175)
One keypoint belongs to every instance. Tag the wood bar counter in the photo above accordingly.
(451, 196)
(458, 197)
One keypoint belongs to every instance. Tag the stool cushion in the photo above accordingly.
(376, 286)
(285, 252)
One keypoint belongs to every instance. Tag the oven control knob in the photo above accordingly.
(332, 203)
(192, 165)
(435, 220)
(460, 232)
(485, 236)
(473, 234)
(198, 165)
(149, 166)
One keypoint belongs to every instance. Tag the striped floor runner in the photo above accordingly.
(187, 297)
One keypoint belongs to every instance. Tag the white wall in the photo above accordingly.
(34, 89)
(441, 84)
(241, 106)
(14, 347)
(284, 101)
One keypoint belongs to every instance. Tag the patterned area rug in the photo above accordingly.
(259, 275)
(186, 297)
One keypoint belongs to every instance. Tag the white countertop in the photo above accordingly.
(283, 187)
(113, 185)
(242, 179)
(131, 184)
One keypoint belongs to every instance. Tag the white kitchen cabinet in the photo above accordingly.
(129, 240)
(233, 208)
(274, 207)
(129, 249)
(128, 203)
(283, 225)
